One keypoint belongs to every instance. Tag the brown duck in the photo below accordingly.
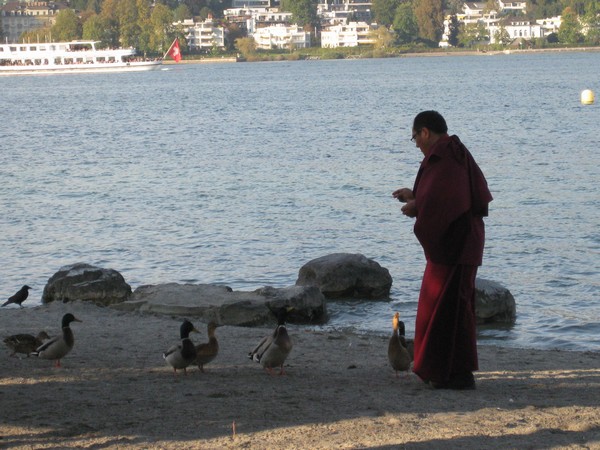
(207, 351)
(25, 343)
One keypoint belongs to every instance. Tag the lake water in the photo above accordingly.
(241, 173)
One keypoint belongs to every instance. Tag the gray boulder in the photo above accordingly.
(226, 306)
(346, 275)
(493, 303)
(87, 283)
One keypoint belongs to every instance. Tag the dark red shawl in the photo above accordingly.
(452, 197)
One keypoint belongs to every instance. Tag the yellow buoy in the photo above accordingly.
(587, 97)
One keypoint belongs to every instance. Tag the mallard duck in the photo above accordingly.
(25, 343)
(19, 297)
(183, 354)
(207, 351)
(57, 347)
(397, 350)
(273, 349)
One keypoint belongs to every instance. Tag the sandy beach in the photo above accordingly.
(114, 390)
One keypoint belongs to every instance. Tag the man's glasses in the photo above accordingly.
(414, 136)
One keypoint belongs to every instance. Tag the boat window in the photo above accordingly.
(13, 49)
(23, 49)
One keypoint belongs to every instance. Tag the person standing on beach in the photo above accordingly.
(449, 199)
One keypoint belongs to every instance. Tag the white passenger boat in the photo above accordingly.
(70, 57)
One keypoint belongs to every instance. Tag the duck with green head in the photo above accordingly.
(58, 347)
(181, 355)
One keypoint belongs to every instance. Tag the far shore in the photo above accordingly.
(436, 53)
(339, 392)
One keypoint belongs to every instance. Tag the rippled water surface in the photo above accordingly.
(241, 173)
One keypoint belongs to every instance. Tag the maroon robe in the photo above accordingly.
(451, 196)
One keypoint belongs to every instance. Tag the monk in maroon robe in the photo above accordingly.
(449, 200)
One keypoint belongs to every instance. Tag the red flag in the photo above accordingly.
(175, 52)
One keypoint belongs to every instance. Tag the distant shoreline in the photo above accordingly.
(416, 54)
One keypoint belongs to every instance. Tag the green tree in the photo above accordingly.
(67, 26)
(78, 5)
(577, 6)
(540, 9)
(453, 30)
(454, 6)
(471, 34)
(96, 28)
(109, 13)
(93, 6)
(570, 29)
(384, 11)
(181, 13)
(246, 46)
(163, 32)
(129, 30)
(232, 33)
(144, 23)
(430, 18)
(382, 37)
(205, 12)
(502, 37)
(591, 20)
(304, 12)
(37, 35)
(405, 24)
(491, 5)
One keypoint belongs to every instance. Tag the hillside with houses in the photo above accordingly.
(291, 25)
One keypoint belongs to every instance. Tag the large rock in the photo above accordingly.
(87, 283)
(346, 275)
(493, 303)
(227, 307)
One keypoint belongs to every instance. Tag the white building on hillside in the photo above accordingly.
(523, 29)
(252, 4)
(202, 35)
(516, 6)
(281, 36)
(251, 19)
(476, 13)
(550, 25)
(351, 35)
(331, 11)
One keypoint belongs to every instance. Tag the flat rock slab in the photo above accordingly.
(221, 304)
